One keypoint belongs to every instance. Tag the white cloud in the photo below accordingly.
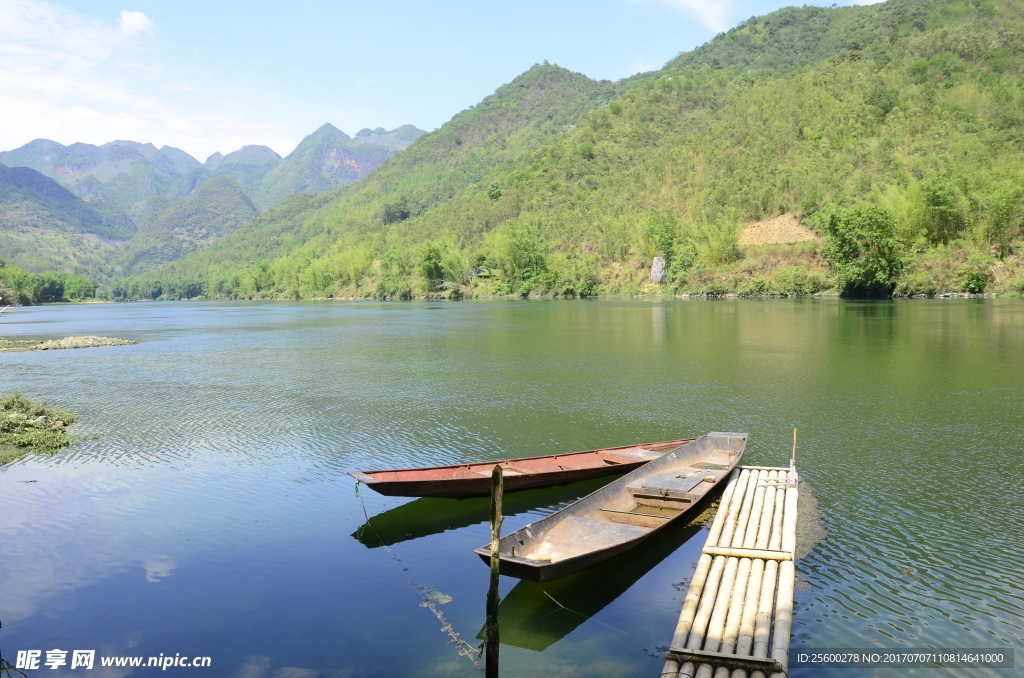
(69, 77)
(133, 23)
(713, 14)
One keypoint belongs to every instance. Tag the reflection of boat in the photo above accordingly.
(620, 515)
(530, 617)
(474, 480)
(430, 515)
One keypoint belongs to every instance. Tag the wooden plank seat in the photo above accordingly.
(673, 488)
(630, 456)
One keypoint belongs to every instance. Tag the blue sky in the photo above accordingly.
(214, 76)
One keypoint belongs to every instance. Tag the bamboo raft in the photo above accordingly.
(738, 611)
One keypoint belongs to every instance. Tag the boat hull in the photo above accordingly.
(462, 481)
(623, 514)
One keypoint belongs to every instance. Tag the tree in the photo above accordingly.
(945, 209)
(396, 210)
(862, 247)
(430, 268)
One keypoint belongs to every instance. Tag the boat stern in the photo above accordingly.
(520, 568)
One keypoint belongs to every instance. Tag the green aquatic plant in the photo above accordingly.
(29, 426)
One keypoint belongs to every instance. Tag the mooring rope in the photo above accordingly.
(465, 649)
(585, 616)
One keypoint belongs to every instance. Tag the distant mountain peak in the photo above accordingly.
(253, 154)
(328, 127)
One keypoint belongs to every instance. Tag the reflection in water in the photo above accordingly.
(158, 567)
(535, 616)
(429, 515)
(226, 433)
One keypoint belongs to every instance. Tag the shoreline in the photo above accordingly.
(599, 297)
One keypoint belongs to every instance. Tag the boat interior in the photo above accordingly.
(631, 507)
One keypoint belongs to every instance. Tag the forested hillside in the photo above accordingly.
(891, 132)
(127, 207)
(43, 226)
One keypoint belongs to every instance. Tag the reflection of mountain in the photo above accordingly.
(531, 620)
(426, 516)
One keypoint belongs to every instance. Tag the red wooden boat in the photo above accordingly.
(474, 480)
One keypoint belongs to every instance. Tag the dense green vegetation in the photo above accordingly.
(27, 426)
(124, 208)
(21, 287)
(536, 107)
(894, 131)
(217, 207)
(30, 200)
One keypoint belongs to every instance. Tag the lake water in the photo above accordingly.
(214, 517)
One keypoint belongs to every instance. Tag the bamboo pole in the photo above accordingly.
(750, 577)
(700, 575)
(755, 543)
(765, 530)
(748, 553)
(705, 578)
(493, 637)
(743, 491)
(735, 617)
(707, 603)
(787, 579)
(724, 505)
(763, 617)
(724, 601)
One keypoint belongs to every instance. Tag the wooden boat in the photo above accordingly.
(474, 480)
(622, 514)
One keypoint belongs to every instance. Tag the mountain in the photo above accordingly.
(43, 226)
(539, 105)
(888, 137)
(125, 173)
(216, 208)
(248, 165)
(164, 200)
(329, 158)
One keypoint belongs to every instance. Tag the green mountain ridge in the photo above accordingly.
(537, 106)
(135, 191)
(43, 226)
(217, 207)
(893, 131)
(329, 158)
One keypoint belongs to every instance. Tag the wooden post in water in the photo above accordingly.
(492, 636)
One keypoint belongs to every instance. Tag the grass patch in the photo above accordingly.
(29, 426)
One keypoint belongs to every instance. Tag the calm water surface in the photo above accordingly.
(213, 515)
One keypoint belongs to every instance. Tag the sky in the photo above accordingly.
(220, 74)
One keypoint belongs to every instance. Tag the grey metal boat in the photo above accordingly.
(622, 514)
